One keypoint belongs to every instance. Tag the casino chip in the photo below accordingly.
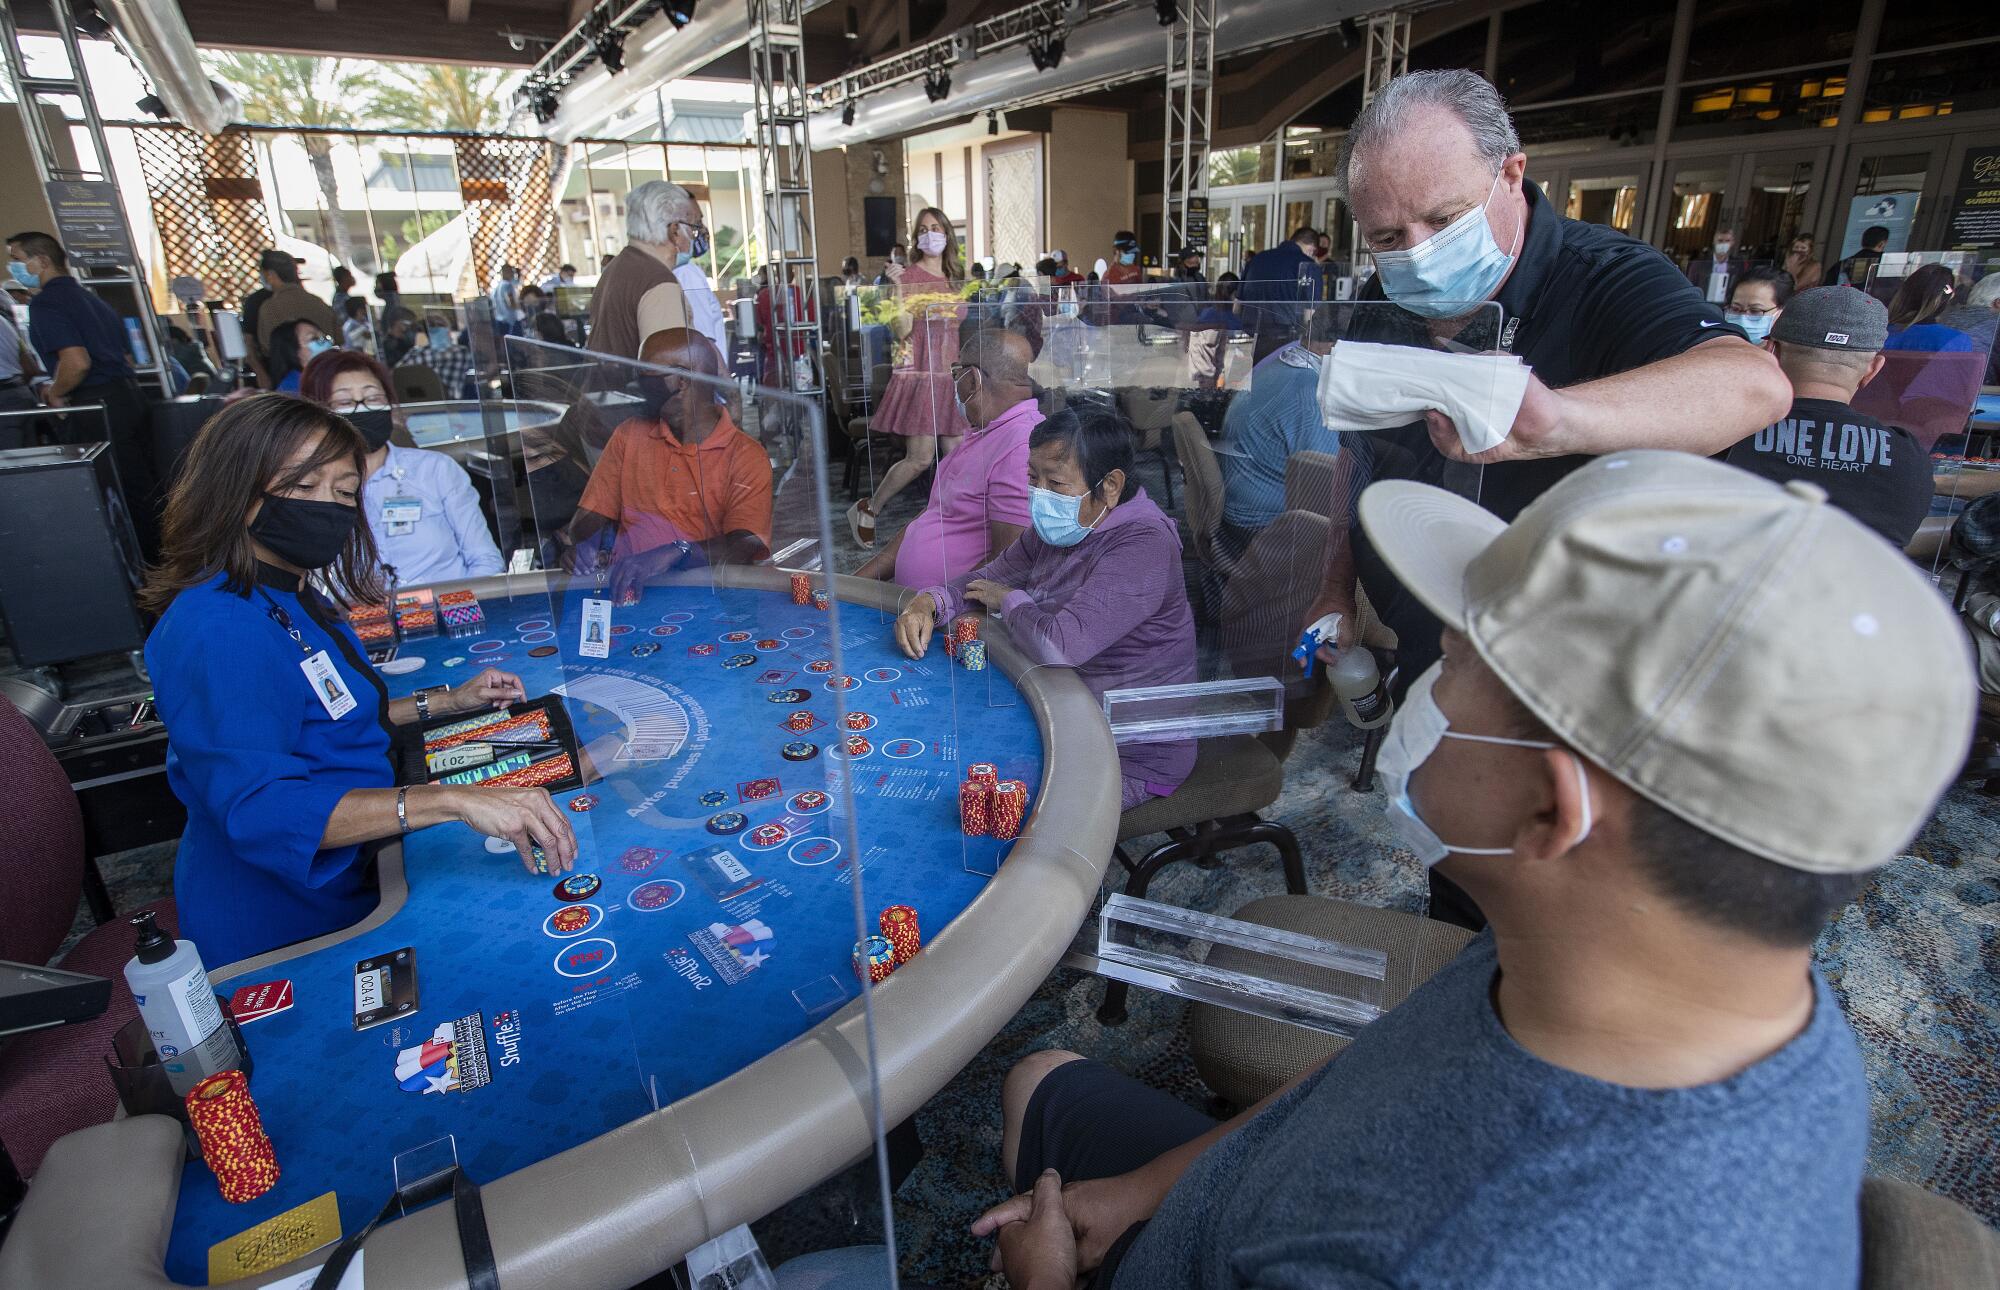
(739, 660)
(639, 859)
(664, 629)
(810, 802)
(800, 751)
(571, 919)
(713, 797)
(789, 696)
(541, 651)
(768, 645)
(578, 886)
(735, 638)
(645, 648)
(702, 650)
(820, 665)
(455, 661)
(856, 746)
(841, 683)
(728, 822)
(582, 802)
(769, 835)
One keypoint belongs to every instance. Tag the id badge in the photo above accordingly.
(327, 685)
(594, 633)
(401, 514)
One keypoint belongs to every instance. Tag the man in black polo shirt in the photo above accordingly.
(1274, 276)
(1624, 350)
(81, 343)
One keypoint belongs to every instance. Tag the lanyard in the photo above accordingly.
(284, 620)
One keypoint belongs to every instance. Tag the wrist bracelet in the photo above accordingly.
(403, 810)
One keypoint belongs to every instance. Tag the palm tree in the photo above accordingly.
(309, 93)
(440, 96)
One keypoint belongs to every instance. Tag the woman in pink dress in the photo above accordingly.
(918, 402)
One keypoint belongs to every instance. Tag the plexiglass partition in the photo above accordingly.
(715, 700)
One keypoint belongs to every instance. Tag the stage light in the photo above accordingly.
(680, 12)
(1350, 33)
(847, 113)
(609, 42)
(543, 99)
(992, 121)
(1046, 51)
(937, 84)
(152, 105)
(853, 31)
(1167, 11)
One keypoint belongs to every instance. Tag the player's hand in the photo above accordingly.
(1039, 1251)
(1537, 431)
(893, 272)
(988, 593)
(915, 625)
(526, 817)
(1100, 1211)
(630, 575)
(51, 398)
(1343, 635)
(492, 688)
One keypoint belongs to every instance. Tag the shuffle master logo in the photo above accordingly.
(452, 1060)
(734, 951)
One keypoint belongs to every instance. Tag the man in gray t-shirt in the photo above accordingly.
(1682, 713)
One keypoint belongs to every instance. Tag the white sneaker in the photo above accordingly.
(861, 523)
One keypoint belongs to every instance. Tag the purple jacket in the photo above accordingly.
(1113, 607)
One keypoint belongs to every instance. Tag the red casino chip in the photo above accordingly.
(769, 835)
(582, 802)
(571, 918)
(856, 746)
(639, 859)
(820, 665)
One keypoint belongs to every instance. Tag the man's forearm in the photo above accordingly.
(1740, 387)
(72, 365)
(1167, 1167)
(882, 565)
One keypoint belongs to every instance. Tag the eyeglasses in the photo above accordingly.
(366, 403)
(1755, 311)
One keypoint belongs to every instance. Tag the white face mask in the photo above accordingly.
(931, 243)
(1418, 727)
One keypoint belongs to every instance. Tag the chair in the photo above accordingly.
(1914, 1240)
(1151, 411)
(862, 440)
(54, 1081)
(1215, 809)
(1244, 1057)
(1203, 477)
(416, 383)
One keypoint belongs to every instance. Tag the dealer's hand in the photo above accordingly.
(526, 817)
(492, 688)
(915, 625)
(988, 593)
(1100, 1211)
(1039, 1252)
(1537, 430)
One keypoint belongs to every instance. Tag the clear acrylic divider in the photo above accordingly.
(708, 688)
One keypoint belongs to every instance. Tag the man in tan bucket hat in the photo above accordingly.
(1682, 714)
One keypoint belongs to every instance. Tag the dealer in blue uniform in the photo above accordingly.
(278, 727)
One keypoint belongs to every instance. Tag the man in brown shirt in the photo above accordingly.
(637, 294)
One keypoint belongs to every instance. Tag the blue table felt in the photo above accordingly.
(587, 1029)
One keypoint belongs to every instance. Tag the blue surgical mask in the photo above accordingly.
(1755, 326)
(1055, 517)
(1453, 270)
(1128, 257)
(683, 258)
(23, 275)
(314, 348)
(1418, 728)
(440, 337)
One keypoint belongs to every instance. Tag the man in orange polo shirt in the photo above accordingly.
(686, 488)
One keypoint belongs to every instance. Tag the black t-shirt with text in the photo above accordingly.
(1876, 473)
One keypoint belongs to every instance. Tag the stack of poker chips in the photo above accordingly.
(821, 600)
(1010, 807)
(964, 628)
(899, 928)
(875, 959)
(462, 614)
(802, 589)
(373, 625)
(416, 614)
(858, 721)
(231, 1133)
(975, 799)
(972, 654)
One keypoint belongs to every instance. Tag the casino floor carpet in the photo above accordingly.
(1916, 962)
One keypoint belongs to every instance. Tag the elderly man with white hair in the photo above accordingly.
(638, 293)
(1624, 350)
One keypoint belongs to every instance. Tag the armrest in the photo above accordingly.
(65, 1236)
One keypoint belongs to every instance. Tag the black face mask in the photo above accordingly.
(654, 396)
(375, 425)
(556, 491)
(308, 534)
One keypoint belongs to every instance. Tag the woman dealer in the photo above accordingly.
(279, 728)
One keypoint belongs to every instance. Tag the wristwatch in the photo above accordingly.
(423, 698)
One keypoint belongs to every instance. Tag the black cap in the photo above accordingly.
(153, 944)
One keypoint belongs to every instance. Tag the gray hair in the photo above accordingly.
(1465, 94)
(1985, 292)
(652, 207)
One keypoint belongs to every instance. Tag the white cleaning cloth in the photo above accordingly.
(1379, 387)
